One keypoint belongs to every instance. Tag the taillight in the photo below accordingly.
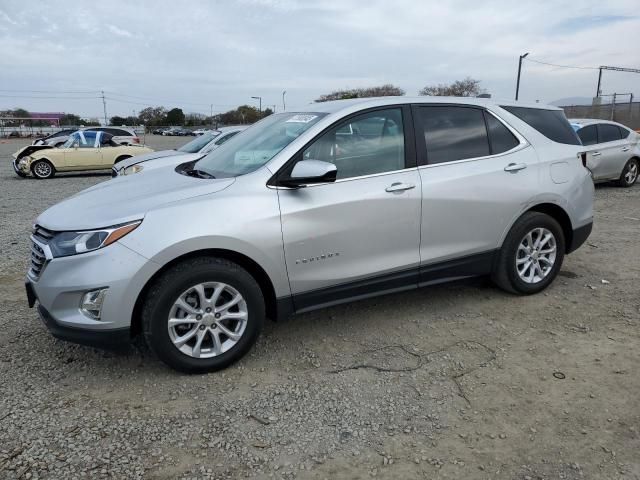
(583, 158)
(136, 140)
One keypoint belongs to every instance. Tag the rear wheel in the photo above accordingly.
(531, 255)
(42, 169)
(203, 314)
(629, 173)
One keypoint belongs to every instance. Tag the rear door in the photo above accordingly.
(611, 152)
(476, 174)
(361, 234)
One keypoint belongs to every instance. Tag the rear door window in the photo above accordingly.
(588, 135)
(453, 133)
(500, 137)
(608, 133)
(624, 133)
(550, 123)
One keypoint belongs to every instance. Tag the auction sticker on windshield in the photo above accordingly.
(302, 118)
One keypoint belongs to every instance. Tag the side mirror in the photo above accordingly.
(308, 172)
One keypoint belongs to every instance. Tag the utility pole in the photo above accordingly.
(104, 106)
(211, 116)
(519, 70)
(260, 99)
(284, 107)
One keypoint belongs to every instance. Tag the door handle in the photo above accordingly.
(515, 167)
(625, 149)
(596, 154)
(399, 187)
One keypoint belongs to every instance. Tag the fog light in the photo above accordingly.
(91, 304)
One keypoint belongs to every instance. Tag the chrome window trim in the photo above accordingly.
(343, 180)
(517, 148)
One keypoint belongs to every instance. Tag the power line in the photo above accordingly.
(48, 97)
(560, 66)
(49, 91)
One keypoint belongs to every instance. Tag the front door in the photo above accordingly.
(359, 235)
(85, 153)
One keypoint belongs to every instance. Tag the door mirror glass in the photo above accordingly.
(307, 172)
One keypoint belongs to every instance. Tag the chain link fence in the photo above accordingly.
(627, 113)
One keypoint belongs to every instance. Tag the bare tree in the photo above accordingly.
(387, 90)
(469, 87)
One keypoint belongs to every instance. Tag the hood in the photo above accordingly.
(123, 199)
(28, 150)
(162, 155)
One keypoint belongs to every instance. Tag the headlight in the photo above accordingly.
(64, 244)
(24, 160)
(132, 169)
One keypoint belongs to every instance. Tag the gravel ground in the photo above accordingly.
(454, 381)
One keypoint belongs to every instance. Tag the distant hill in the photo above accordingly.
(565, 102)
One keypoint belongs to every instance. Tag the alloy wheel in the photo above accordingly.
(631, 174)
(42, 169)
(536, 255)
(207, 319)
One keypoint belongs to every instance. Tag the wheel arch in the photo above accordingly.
(560, 215)
(122, 157)
(254, 269)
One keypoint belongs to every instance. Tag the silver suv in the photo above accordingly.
(304, 210)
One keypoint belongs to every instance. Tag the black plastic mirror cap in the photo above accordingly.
(299, 182)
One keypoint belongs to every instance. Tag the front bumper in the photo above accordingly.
(107, 339)
(64, 281)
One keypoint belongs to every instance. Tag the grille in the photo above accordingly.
(38, 257)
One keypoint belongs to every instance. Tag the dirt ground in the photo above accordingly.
(459, 381)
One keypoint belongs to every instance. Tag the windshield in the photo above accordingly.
(257, 145)
(82, 139)
(199, 143)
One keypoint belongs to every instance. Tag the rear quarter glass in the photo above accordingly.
(550, 123)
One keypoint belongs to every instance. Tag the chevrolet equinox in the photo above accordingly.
(308, 209)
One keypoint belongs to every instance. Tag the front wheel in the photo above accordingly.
(531, 255)
(629, 173)
(203, 314)
(42, 169)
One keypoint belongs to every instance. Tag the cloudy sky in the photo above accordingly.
(58, 55)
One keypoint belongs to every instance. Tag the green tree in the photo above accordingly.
(69, 119)
(152, 116)
(387, 90)
(175, 116)
(469, 87)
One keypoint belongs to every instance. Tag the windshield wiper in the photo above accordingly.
(198, 173)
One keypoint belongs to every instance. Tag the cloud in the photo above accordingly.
(119, 31)
(222, 53)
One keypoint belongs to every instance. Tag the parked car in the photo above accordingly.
(303, 210)
(120, 135)
(614, 150)
(202, 131)
(84, 150)
(159, 131)
(56, 139)
(193, 150)
(184, 132)
(167, 132)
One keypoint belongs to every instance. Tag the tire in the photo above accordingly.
(179, 282)
(514, 256)
(119, 159)
(42, 169)
(629, 173)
